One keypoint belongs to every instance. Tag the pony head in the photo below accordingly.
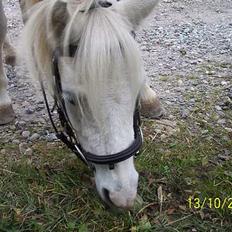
(100, 83)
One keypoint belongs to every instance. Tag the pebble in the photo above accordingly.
(29, 111)
(28, 152)
(192, 101)
(34, 137)
(163, 137)
(22, 148)
(180, 82)
(12, 127)
(15, 141)
(192, 89)
(226, 138)
(26, 134)
(221, 114)
(158, 131)
(221, 121)
(3, 151)
(20, 123)
(224, 83)
(218, 108)
(51, 137)
(228, 129)
(184, 114)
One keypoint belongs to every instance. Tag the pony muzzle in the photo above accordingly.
(119, 199)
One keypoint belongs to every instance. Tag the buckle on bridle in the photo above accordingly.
(82, 155)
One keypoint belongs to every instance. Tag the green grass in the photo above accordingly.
(53, 191)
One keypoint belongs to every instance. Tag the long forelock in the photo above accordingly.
(107, 54)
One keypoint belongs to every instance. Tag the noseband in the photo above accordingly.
(68, 135)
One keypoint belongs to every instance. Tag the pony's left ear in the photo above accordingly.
(72, 5)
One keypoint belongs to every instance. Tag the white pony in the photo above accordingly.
(100, 83)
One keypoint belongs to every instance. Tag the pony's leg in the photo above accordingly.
(9, 51)
(150, 103)
(6, 110)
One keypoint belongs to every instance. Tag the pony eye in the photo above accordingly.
(105, 4)
(70, 97)
(72, 101)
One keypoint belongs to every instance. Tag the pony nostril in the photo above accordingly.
(106, 194)
(105, 4)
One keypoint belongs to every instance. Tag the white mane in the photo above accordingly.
(107, 52)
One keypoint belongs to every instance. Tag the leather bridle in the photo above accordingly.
(68, 135)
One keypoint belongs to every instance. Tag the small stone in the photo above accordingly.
(158, 131)
(22, 148)
(20, 123)
(226, 138)
(224, 83)
(171, 132)
(228, 129)
(28, 152)
(180, 82)
(216, 117)
(205, 132)
(51, 137)
(3, 151)
(218, 108)
(192, 89)
(143, 48)
(29, 111)
(210, 72)
(171, 117)
(12, 127)
(224, 157)
(26, 134)
(184, 114)
(192, 100)
(163, 137)
(34, 137)
(221, 114)
(15, 141)
(221, 121)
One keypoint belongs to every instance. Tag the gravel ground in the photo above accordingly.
(187, 49)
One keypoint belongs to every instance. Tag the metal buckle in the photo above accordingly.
(141, 133)
(111, 166)
(82, 155)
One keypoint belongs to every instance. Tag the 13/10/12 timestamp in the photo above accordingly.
(210, 202)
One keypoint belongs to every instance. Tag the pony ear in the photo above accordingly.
(59, 18)
(72, 5)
